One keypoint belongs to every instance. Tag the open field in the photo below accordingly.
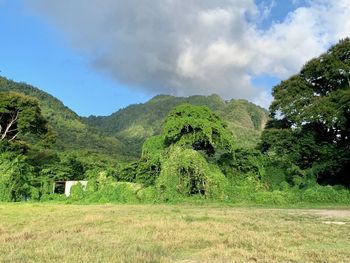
(171, 233)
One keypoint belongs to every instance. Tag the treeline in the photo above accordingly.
(303, 154)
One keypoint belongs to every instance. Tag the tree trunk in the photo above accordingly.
(8, 127)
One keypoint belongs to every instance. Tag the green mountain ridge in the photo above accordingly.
(137, 122)
(72, 133)
(121, 134)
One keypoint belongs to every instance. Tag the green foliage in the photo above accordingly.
(194, 155)
(53, 197)
(311, 118)
(241, 188)
(249, 190)
(34, 194)
(15, 176)
(276, 197)
(77, 192)
(198, 128)
(182, 161)
(20, 115)
(242, 162)
(60, 167)
(153, 147)
(68, 129)
(111, 191)
(185, 172)
(102, 188)
(326, 194)
(148, 195)
(134, 124)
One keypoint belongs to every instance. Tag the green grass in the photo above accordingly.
(171, 233)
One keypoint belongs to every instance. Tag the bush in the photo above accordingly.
(14, 174)
(121, 192)
(185, 172)
(326, 194)
(276, 197)
(34, 194)
(53, 197)
(147, 195)
(242, 187)
(77, 192)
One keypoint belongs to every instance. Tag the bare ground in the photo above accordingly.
(330, 213)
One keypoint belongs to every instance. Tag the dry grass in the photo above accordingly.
(169, 233)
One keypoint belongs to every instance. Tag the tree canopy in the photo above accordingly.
(184, 158)
(311, 117)
(20, 115)
(197, 127)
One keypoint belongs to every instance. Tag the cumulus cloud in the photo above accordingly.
(196, 47)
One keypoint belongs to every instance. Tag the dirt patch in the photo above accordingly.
(330, 213)
(26, 236)
(334, 223)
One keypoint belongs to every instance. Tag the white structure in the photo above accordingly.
(66, 185)
(69, 185)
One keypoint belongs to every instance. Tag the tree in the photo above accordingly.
(311, 114)
(198, 128)
(183, 160)
(20, 115)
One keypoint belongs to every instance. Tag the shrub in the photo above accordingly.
(77, 192)
(34, 194)
(147, 195)
(242, 187)
(185, 172)
(14, 174)
(53, 197)
(121, 192)
(276, 197)
(326, 194)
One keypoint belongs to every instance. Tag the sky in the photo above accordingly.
(98, 56)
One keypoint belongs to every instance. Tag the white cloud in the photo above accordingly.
(196, 47)
(215, 17)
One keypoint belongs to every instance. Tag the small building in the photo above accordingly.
(64, 187)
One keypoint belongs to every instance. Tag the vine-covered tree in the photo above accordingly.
(310, 124)
(184, 159)
(199, 128)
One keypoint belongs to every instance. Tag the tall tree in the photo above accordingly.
(20, 115)
(311, 114)
(184, 159)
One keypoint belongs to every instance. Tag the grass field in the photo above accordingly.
(171, 233)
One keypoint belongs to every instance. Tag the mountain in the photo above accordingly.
(120, 136)
(135, 123)
(72, 133)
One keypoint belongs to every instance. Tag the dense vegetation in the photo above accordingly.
(136, 123)
(196, 148)
(310, 125)
(71, 133)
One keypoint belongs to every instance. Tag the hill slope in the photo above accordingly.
(72, 133)
(130, 126)
(135, 123)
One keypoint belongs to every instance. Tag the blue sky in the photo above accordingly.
(43, 45)
(33, 52)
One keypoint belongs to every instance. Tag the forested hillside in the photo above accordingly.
(71, 133)
(197, 147)
(137, 122)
